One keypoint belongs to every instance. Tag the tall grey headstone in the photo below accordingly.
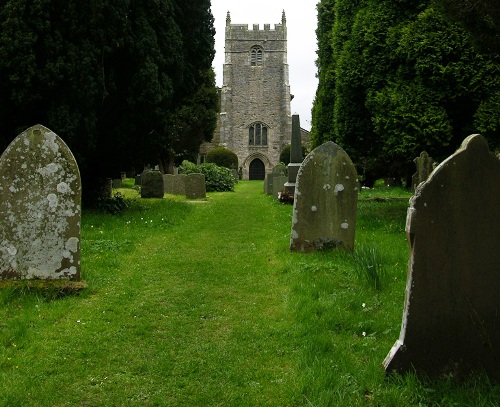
(295, 155)
(326, 194)
(451, 318)
(425, 166)
(40, 208)
(195, 186)
(152, 184)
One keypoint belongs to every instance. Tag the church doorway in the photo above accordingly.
(257, 170)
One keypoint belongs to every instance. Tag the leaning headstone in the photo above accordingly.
(326, 194)
(168, 182)
(295, 155)
(195, 186)
(425, 166)
(152, 184)
(40, 208)
(451, 319)
(179, 184)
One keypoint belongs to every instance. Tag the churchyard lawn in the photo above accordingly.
(203, 304)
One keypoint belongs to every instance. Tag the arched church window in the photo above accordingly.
(257, 134)
(256, 56)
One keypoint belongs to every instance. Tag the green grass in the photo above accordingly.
(202, 304)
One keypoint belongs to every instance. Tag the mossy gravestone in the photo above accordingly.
(451, 319)
(40, 208)
(326, 194)
(152, 184)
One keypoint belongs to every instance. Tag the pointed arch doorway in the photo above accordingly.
(256, 170)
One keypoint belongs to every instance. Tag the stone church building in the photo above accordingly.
(255, 121)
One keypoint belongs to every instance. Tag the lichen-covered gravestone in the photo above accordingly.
(326, 194)
(40, 208)
(195, 186)
(152, 184)
(451, 319)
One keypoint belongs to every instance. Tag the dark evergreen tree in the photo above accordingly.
(481, 18)
(404, 79)
(113, 78)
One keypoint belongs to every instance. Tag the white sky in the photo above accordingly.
(301, 22)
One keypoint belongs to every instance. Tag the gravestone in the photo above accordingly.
(40, 208)
(138, 179)
(425, 165)
(179, 184)
(168, 182)
(278, 184)
(451, 319)
(195, 186)
(152, 184)
(326, 194)
(117, 183)
(295, 155)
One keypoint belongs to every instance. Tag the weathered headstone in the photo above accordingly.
(138, 179)
(295, 155)
(280, 168)
(425, 166)
(451, 319)
(40, 208)
(278, 184)
(179, 184)
(326, 194)
(168, 182)
(152, 184)
(195, 186)
(268, 183)
(117, 183)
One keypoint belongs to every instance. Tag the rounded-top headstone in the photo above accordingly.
(152, 184)
(325, 199)
(40, 208)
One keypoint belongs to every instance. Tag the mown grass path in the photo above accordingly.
(184, 307)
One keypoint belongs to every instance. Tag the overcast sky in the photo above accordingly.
(301, 25)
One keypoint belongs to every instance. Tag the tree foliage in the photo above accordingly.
(481, 18)
(401, 78)
(123, 82)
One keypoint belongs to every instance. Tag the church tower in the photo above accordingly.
(255, 120)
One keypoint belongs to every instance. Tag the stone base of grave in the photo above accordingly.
(58, 287)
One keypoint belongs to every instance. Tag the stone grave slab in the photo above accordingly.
(179, 184)
(195, 186)
(168, 183)
(40, 208)
(325, 199)
(451, 318)
(152, 184)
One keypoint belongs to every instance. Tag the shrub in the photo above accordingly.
(217, 179)
(223, 158)
(285, 154)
